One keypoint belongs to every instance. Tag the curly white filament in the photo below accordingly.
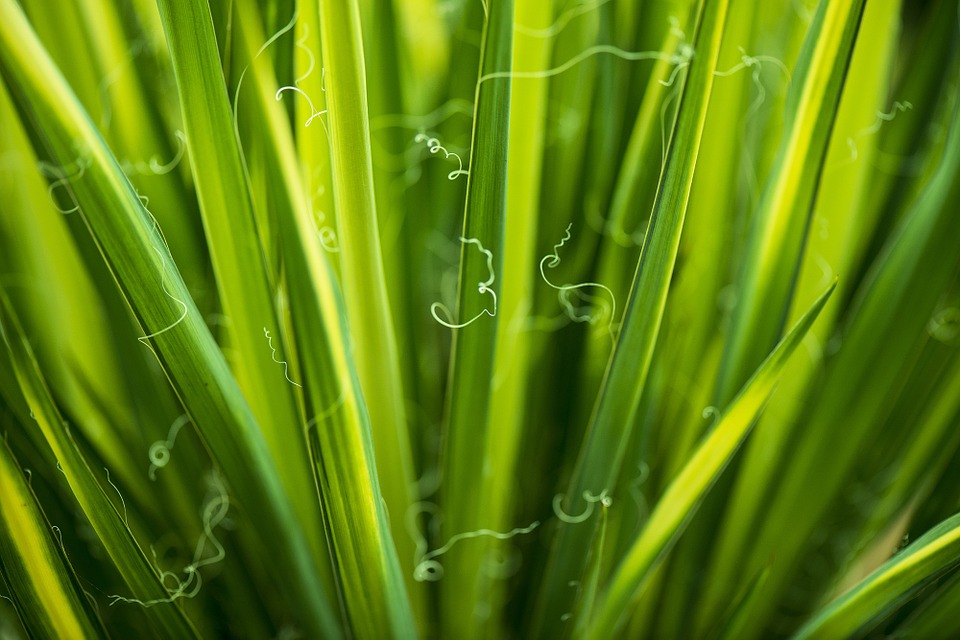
(159, 452)
(430, 570)
(435, 147)
(273, 356)
(551, 261)
(603, 498)
(483, 287)
(163, 283)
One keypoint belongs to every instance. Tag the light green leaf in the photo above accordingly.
(780, 225)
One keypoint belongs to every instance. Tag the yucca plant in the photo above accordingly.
(480, 318)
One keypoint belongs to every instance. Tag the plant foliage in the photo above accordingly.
(479, 318)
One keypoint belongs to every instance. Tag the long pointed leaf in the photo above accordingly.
(135, 251)
(887, 588)
(47, 596)
(687, 491)
(610, 427)
(126, 554)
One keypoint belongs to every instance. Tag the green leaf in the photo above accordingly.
(46, 592)
(38, 247)
(780, 225)
(681, 499)
(889, 587)
(889, 315)
(609, 431)
(474, 345)
(514, 357)
(110, 526)
(134, 249)
(245, 290)
(338, 428)
(364, 284)
(587, 599)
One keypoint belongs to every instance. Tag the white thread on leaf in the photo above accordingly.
(881, 117)
(681, 59)
(419, 539)
(684, 55)
(159, 452)
(591, 500)
(944, 326)
(711, 413)
(59, 534)
(483, 287)
(154, 167)
(430, 570)
(302, 45)
(755, 64)
(325, 233)
(434, 146)
(295, 87)
(825, 269)
(273, 355)
(236, 96)
(122, 501)
(434, 118)
(328, 239)
(551, 261)
(561, 23)
(163, 284)
(313, 110)
(214, 512)
(62, 177)
(636, 492)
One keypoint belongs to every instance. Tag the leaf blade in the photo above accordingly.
(687, 490)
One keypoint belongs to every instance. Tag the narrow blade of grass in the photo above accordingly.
(246, 292)
(609, 431)
(109, 524)
(889, 315)
(133, 248)
(47, 595)
(338, 427)
(364, 283)
(887, 588)
(936, 616)
(467, 435)
(514, 355)
(39, 248)
(582, 615)
(686, 492)
(779, 227)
